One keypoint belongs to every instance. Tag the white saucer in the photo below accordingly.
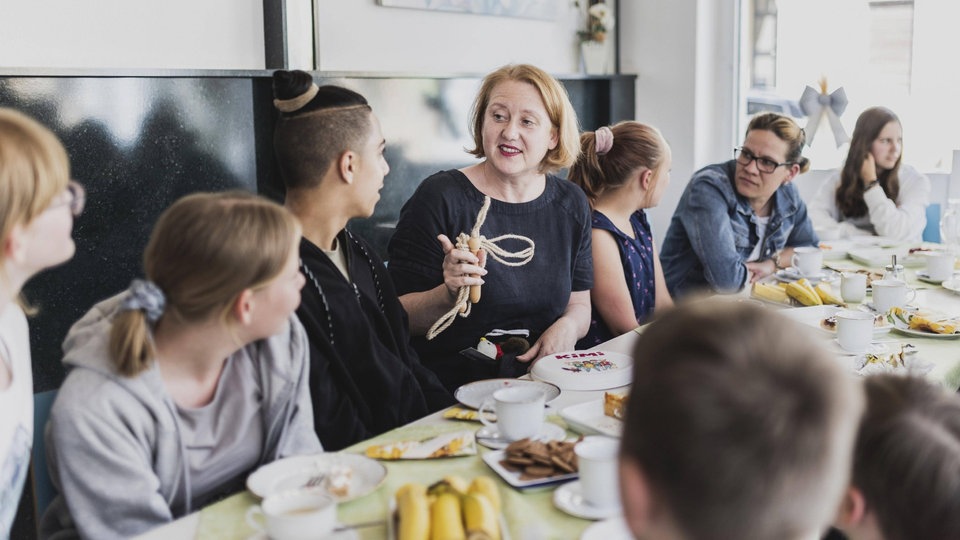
(608, 529)
(348, 534)
(569, 498)
(923, 276)
(491, 438)
(873, 348)
(792, 274)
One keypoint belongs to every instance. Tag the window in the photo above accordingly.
(895, 53)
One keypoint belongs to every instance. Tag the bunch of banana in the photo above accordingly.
(803, 292)
(770, 293)
(449, 509)
(825, 292)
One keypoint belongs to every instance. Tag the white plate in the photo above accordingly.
(569, 498)
(293, 472)
(473, 394)
(585, 370)
(902, 328)
(492, 459)
(588, 418)
(608, 529)
(813, 315)
(880, 257)
(791, 274)
(912, 365)
(490, 437)
(952, 285)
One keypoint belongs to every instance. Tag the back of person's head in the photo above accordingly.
(34, 169)
(741, 427)
(205, 250)
(555, 101)
(787, 131)
(850, 195)
(610, 155)
(907, 458)
(317, 124)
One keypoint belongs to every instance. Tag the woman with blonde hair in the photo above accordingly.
(182, 385)
(38, 203)
(623, 169)
(738, 222)
(850, 201)
(524, 131)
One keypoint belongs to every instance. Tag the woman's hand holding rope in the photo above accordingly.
(460, 267)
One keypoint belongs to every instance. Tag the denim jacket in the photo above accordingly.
(714, 230)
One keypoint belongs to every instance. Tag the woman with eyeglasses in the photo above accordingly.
(874, 193)
(181, 386)
(739, 221)
(38, 203)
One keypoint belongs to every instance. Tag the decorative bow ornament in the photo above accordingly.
(817, 104)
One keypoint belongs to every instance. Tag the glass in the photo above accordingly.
(950, 225)
(77, 200)
(764, 165)
(894, 270)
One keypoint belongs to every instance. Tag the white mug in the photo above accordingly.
(808, 260)
(940, 265)
(519, 412)
(598, 470)
(890, 293)
(854, 330)
(297, 514)
(853, 286)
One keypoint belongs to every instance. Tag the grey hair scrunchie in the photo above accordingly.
(604, 140)
(147, 297)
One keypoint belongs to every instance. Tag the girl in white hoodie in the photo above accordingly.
(37, 205)
(182, 385)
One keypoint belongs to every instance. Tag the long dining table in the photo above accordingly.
(531, 514)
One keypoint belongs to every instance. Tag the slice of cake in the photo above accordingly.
(615, 404)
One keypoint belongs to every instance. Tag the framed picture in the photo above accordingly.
(530, 9)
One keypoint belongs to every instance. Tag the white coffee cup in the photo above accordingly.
(853, 286)
(940, 265)
(598, 470)
(808, 260)
(890, 293)
(854, 330)
(298, 514)
(519, 412)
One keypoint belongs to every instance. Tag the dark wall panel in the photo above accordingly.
(139, 143)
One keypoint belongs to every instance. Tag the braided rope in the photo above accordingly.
(462, 306)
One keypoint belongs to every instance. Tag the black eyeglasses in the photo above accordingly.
(77, 200)
(764, 165)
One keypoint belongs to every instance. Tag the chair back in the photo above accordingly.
(931, 233)
(43, 490)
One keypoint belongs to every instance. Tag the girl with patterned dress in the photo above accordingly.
(623, 169)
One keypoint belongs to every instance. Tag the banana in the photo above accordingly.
(825, 293)
(480, 517)
(414, 512)
(803, 293)
(770, 293)
(486, 486)
(449, 484)
(446, 520)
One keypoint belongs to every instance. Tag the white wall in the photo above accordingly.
(147, 34)
(359, 35)
(686, 60)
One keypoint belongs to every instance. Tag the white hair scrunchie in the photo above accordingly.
(604, 138)
(144, 295)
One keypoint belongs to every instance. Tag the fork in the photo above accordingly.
(315, 481)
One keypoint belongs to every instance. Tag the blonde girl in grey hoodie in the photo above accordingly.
(182, 385)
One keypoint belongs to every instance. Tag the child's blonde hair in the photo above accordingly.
(34, 169)
(205, 250)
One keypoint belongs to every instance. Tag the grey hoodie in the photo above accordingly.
(113, 442)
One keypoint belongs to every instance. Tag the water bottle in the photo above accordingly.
(950, 225)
